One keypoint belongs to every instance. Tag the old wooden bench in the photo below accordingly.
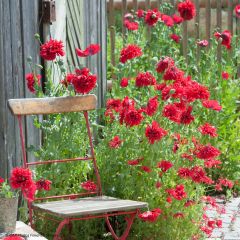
(73, 207)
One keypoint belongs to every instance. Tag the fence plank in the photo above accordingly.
(124, 11)
(219, 28)
(230, 15)
(112, 30)
(208, 19)
(197, 28)
(135, 5)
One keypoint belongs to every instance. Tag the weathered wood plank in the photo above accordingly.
(31, 106)
(208, 19)
(89, 206)
(219, 28)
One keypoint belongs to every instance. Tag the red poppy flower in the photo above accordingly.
(145, 79)
(212, 104)
(178, 192)
(133, 117)
(84, 83)
(163, 64)
(84, 71)
(154, 133)
(237, 10)
(150, 216)
(21, 178)
(129, 52)
(212, 163)
(177, 19)
(225, 75)
(219, 223)
(152, 17)
(203, 43)
(31, 80)
(146, 169)
(173, 73)
(140, 13)
(133, 162)
(189, 203)
(124, 82)
(186, 9)
(132, 26)
(223, 182)
(89, 186)
(51, 49)
(1, 181)
(187, 156)
(172, 112)
(168, 21)
(225, 37)
(114, 104)
(208, 129)
(29, 192)
(152, 106)
(164, 165)
(169, 199)
(115, 142)
(158, 185)
(43, 184)
(206, 152)
(175, 38)
(92, 49)
(186, 117)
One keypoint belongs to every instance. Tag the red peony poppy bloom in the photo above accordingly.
(212, 104)
(150, 216)
(132, 26)
(187, 156)
(114, 104)
(163, 64)
(31, 80)
(186, 117)
(145, 79)
(21, 178)
(225, 75)
(51, 49)
(172, 112)
(154, 132)
(225, 37)
(152, 106)
(89, 186)
(177, 19)
(175, 38)
(133, 162)
(43, 184)
(212, 163)
(168, 21)
(178, 192)
(208, 129)
(133, 117)
(189, 203)
(140, 13)
(1, 181)
(129, 52)
(169, 199)
(124, 82)
(219, 223)
(84, 84)
(29, 193)
(223, 182)
(164, 165)
(146, 169)
(173, 73)
(92, 49)
(152, 17)
(158, 185)
(206, 152)
(237, 10)
(178, 215)
(203, 43)
(115, 142)
(186, 9)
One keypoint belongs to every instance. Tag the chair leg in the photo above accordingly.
(59, 229)
(126, 232)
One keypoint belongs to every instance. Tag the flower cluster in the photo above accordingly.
(89, 186)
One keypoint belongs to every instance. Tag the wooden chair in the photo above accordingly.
(80, 206)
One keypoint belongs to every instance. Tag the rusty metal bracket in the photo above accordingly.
(48, 11)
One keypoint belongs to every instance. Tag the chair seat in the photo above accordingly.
(88, 206)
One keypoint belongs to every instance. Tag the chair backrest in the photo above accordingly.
(51, 105)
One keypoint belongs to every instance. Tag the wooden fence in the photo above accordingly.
(19, 21)
(211, 14)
